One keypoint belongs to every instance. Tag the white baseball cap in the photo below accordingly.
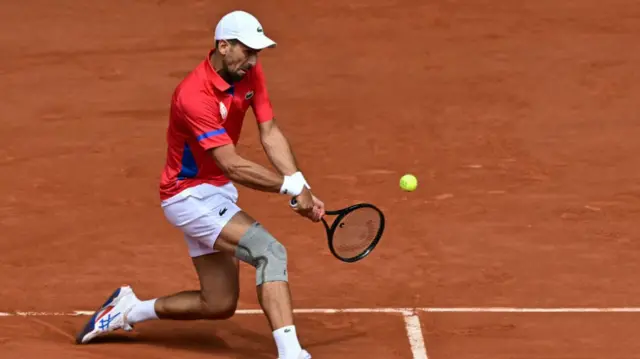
(244, 27)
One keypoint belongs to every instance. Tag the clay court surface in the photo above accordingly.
(519, 118)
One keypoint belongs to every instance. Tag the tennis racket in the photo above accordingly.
(354, 232)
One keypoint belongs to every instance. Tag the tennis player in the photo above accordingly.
(198, 195)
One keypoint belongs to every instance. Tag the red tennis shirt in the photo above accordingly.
(207, 112)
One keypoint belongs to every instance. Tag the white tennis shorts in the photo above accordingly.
(201, 212)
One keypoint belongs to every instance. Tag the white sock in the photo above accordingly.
(141, 311)
(287, 342)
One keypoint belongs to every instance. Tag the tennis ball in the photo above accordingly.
(408, 182)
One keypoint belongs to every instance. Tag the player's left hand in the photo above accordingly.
(315, 213)
(318, 209)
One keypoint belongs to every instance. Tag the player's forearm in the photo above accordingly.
(279, 152)
(254, 176)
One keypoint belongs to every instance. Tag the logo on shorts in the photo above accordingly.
(222, 211)
(260, 29)
(248, 95)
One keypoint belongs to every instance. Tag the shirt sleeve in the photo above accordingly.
(261, 103)
(204, 122)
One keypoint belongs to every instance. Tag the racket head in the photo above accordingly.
(355, 232)
(368, 222)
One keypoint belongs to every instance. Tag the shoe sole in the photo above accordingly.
(91, 324)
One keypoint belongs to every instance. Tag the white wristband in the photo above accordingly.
(294, 184)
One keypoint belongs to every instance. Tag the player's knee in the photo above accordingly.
(273, 265)
(260, 249)
(221, 307)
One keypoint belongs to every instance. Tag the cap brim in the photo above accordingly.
(258, 42)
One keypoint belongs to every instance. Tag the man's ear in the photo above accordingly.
(223, 47)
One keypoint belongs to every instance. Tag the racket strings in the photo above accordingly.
(356, 232)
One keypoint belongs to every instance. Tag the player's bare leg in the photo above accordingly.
(274, 297)
(244, 237)
(217, 297)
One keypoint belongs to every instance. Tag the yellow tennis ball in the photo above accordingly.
(408, 182)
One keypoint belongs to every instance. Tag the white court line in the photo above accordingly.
(416, 340)
(404, 311)
(239, 312)
(530, 310)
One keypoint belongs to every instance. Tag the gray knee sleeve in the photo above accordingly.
(258, 248)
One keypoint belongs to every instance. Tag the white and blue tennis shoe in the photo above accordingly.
(110, 317)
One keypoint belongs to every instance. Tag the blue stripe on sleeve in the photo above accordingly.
(211, 134)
